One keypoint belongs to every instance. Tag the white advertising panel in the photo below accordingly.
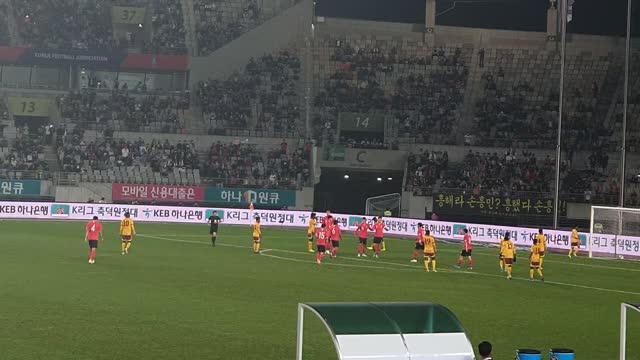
(490, 234)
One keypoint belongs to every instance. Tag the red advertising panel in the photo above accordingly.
(159, 193)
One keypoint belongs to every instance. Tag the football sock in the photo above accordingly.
(92, 256)
(335, 251)
(540, 273)
(509, 270)
(530, 273)
(575, 252)
(213, 240)
(124, 246)
(434, 264)
(541, 261)
(470, 262)
(257, 247)
(426, 264)
(310, 245)
(415, 255)
(384, 246)
(570, 252)
(128, 245)
(460, 262)
(501, 264)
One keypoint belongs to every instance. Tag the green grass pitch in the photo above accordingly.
(176, 297)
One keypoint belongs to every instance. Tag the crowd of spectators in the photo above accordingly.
(267, 87)
(219, 22)
(424, 169)
(65, 23)
(502, 174)
(76, 155)
(26, 153)
(168, 30)
(129, 112)
(239, 164)
(423, 89)
(5, 38)
(427, 107)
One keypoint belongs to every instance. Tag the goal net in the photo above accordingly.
(625, 309)
(377, 205)
(614, 232)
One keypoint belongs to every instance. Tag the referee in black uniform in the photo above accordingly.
(214, 221)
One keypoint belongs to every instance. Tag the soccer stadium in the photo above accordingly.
(320, 179)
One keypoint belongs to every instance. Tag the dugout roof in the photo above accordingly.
(393, 331)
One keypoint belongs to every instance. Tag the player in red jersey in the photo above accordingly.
(466, 251)
(419, 243)
(91, 237)
(379, 227)
(362, 232)
(322, 237)
(336, 236)
(327, 221)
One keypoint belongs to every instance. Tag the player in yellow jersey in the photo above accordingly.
(542, 244)
(535, 260)
(575, 242)
(508, 252)
(430, 250)
(127, 231)
(312, 230)
(500, 256)
(257, 236)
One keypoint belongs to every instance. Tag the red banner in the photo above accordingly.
(159, 193)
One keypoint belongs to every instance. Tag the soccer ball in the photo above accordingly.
(621, 257)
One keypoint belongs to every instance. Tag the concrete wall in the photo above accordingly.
(277, 33)
(82, 193)
(203, 142)
(578, 211)
(304, 199)
(458, 36)
(367, 159)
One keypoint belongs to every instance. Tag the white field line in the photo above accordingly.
(385, 267)
(456, 251)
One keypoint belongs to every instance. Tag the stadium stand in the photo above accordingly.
(240, 165)
(111, 160)
(519, 97)
(265, 97)
(501, 174)
(122, 110)
(64, 23)
(5, 38)
(425, 169)
(168, 30)
(422, 87)
(23, 158)
(162, 162)
(220, 21)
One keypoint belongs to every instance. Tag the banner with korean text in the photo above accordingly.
(397, 227)
(159, 193)
(20, 188)
(265, 197)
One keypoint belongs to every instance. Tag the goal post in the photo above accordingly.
(624, 307)
(377, 205)
(614, 232)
